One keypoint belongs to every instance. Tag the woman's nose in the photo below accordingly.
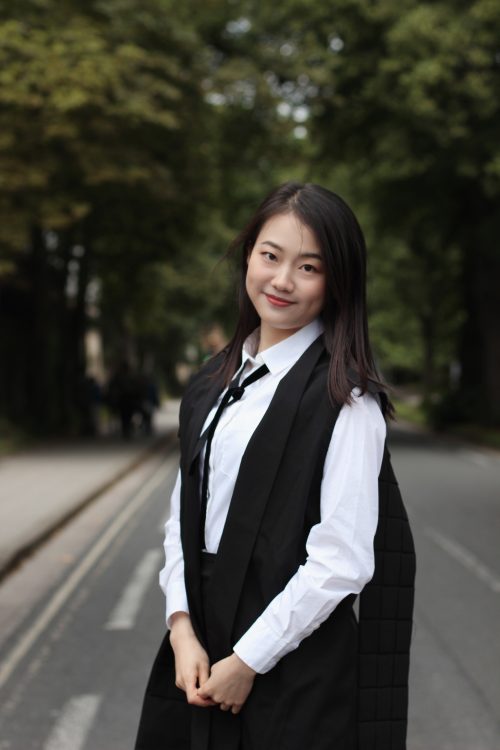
(283, 280)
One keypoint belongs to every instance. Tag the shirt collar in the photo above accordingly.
(286, 352)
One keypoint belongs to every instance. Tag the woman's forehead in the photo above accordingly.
(288, 232)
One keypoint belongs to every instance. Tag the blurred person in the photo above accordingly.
(123, 397)
(149, 401)
(213, 339)
(90, 400)
(276, 524)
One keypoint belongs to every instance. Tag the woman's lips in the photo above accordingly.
(277, 301)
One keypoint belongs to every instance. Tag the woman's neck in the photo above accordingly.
(271, 336)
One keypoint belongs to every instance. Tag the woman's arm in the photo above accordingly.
(172, 574)
(192, 666)
(340, 553)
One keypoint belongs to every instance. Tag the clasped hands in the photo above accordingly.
(226, 683)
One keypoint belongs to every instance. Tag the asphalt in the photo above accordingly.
(72, 673)
(41, 488)
(44, 487)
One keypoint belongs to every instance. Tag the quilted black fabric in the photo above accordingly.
(385, 624)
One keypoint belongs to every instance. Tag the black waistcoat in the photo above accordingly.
(346, 685)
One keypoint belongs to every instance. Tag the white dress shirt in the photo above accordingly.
(340, 557)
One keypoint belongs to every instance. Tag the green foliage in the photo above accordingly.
(137, 137)
(104, 161)
(402, 97)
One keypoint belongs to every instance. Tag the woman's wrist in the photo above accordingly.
(180, 626)
(243, 666)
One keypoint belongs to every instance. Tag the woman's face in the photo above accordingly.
(286, 278)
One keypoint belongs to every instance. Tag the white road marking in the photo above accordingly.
(72, 727)
(65, 591)
(465, 558)
(124, 614)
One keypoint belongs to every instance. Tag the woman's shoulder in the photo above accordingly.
(365, 411)
(200, 382)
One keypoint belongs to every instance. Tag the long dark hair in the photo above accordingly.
(344, 314)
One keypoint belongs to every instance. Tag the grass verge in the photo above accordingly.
(12, 439)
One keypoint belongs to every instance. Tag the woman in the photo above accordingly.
(284, 509)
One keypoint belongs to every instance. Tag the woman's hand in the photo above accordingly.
(229, 684)
(192, 667)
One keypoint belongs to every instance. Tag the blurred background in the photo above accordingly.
(136, 138)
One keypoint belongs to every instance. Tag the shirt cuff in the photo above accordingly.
(176, 600)
(260, 648)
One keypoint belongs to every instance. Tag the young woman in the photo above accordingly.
(284, 510)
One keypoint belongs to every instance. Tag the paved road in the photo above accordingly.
(453, 497)
(81, 620)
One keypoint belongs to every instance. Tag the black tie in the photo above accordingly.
(233, 393)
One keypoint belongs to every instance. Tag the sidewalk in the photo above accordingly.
(42, 487)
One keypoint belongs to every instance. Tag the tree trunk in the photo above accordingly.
(39, 348)
(480, 339)
(65, 392)
(79, 328)
(428, 375)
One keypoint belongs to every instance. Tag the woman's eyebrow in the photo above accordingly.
(273, 244)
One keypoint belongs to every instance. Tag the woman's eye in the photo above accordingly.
(309, 268)
(269, 256)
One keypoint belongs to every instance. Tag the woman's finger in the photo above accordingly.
(197, 700)
(204, 674)
(224, 707)
(204, 697)
(202, 692)
(179, 682)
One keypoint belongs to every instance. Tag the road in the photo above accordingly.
(80, 621)
(452, 494)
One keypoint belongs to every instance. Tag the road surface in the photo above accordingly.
(82, 618)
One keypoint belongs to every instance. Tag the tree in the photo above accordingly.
(410, 97)
(105, 168)
(402, 108)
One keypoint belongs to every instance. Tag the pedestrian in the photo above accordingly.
(149, 400)
(123, 397)
(285, 508)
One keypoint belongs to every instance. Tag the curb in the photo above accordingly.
(167, 440)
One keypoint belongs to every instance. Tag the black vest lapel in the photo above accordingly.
(259, 466)
(199, 416)
(196, 410)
